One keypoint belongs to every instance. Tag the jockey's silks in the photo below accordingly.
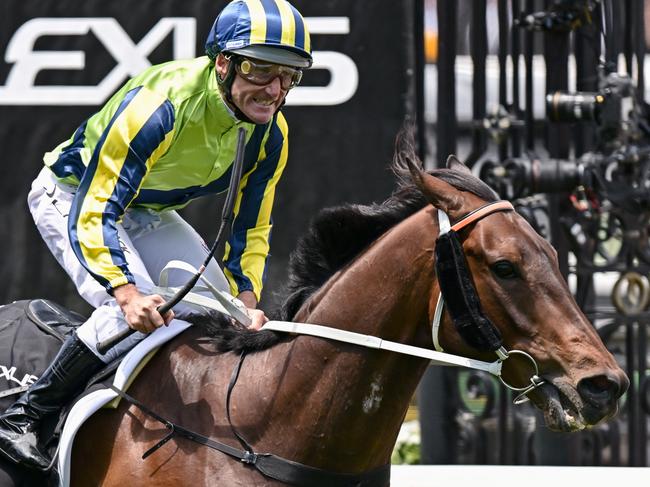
(163, 140)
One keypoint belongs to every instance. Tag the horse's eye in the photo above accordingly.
(505, 269)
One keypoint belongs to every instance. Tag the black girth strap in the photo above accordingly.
(270, 465)
(460, 295)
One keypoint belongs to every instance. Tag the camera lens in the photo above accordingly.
(554, 175)
(573, 107)
(518, 177)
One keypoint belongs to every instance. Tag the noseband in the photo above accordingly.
(464, 305)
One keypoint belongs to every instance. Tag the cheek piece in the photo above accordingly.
(460, 295)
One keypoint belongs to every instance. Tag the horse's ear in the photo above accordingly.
(440, 194)
(405, 162)
(455, 164)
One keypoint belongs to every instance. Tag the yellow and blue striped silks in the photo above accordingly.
(142, 126)
(163, 140)
(248, 247)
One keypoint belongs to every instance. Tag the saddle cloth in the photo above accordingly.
(31, 334)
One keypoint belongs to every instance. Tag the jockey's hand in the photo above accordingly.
(140, 310)
(257, 316)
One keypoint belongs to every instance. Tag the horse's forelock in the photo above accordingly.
(466, 182)
(406, 161)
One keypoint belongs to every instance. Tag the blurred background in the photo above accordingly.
(544, 99)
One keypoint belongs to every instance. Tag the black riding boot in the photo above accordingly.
(71, 369)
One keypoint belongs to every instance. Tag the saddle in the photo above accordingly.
(52, 317)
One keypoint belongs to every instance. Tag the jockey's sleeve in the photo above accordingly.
(138, 133)
(247, 248)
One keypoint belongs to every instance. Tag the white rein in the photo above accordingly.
(224, 303)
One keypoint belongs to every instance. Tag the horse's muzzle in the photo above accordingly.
(600, 394)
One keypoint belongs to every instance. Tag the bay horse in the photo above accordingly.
(339, 407)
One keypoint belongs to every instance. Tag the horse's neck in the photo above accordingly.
(364, 393)
(390, 281)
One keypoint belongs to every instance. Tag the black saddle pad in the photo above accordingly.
(31, 334)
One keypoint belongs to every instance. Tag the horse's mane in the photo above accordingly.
(334, 238)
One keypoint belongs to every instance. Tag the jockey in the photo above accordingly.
(104, 202)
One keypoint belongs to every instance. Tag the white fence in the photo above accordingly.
(502, 476)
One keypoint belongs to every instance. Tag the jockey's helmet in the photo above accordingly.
(266, 30)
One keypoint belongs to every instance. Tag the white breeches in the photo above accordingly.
(149, 239)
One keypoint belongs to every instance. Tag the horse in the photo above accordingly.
(338, 407)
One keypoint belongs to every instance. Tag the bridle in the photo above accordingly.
(475, 328)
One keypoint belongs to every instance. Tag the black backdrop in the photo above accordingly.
(338, 153)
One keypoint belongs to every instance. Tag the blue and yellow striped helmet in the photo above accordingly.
(268, 30)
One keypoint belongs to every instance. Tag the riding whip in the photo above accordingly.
(226, 217)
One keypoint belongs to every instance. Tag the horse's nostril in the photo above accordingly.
(600, 390)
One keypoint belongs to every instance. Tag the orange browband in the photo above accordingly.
(481, 212)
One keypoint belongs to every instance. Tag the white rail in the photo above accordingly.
(500, 476)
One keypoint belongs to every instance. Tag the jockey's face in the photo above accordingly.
(258, 102)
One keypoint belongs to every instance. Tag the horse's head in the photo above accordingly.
(522, 292)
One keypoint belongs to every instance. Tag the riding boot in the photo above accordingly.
(70, 371)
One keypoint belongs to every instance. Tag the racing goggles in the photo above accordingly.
(261, 73)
